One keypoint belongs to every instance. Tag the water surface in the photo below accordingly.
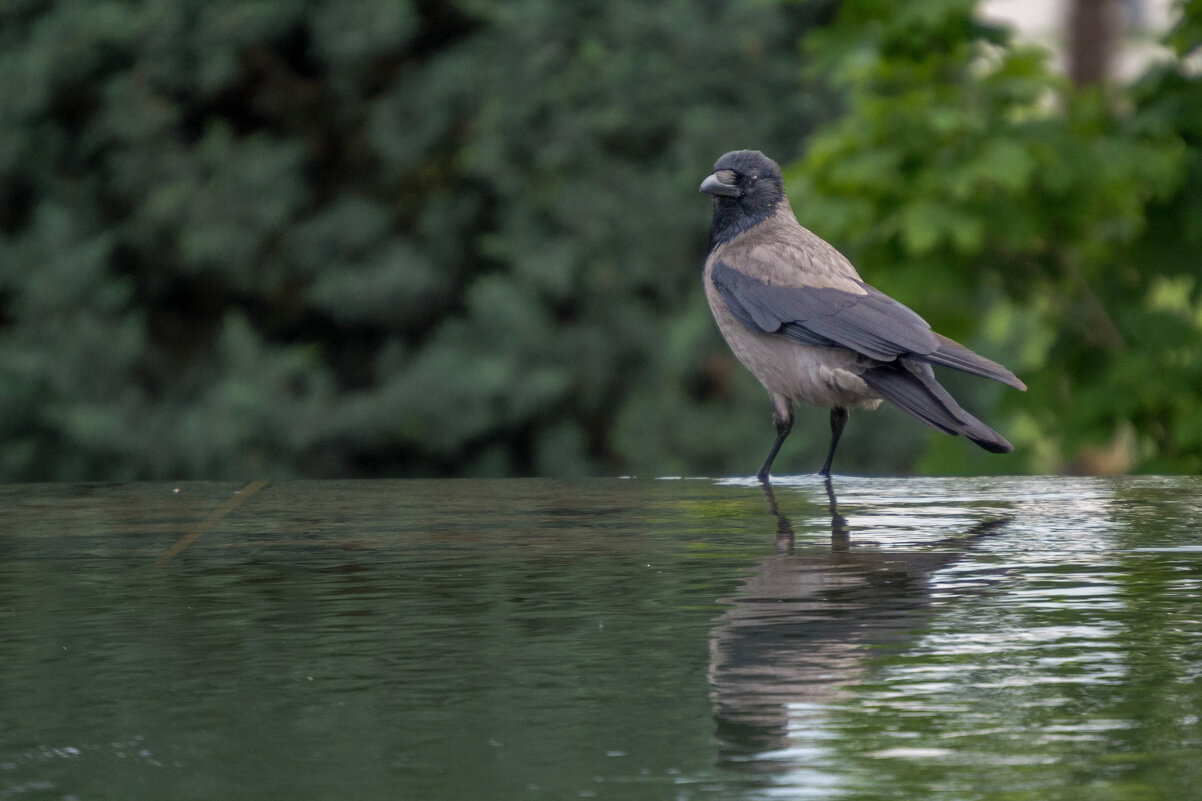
(1025, 638)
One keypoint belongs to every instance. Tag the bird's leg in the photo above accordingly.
(838, 420)
(782, 417)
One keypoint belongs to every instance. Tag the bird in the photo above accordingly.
(796, 313)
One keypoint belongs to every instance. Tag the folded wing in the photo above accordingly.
(870, 323)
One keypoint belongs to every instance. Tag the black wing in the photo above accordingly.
(872, 323)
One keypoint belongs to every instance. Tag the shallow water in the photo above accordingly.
(1024, 638)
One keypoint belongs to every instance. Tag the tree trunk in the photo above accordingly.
(1093, 27)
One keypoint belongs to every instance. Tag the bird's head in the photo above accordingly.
(747, 188)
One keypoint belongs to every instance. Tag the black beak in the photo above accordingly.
(714, 186)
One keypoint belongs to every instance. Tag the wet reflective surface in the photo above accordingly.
(899, 638)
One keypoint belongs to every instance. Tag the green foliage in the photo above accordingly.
(380, 237)
(1053, 227)
(398, 238)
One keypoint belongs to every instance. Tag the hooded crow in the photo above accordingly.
(797, 315)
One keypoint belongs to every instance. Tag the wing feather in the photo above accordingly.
(870, 323)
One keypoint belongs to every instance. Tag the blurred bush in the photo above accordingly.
(1058, 227)
(392, 237)
(371, 238)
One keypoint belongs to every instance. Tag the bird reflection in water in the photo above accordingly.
(798, 631)
(840, 534)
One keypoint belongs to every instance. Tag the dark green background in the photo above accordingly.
(464, 238)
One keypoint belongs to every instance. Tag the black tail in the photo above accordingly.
(953, 354)
(911, 386)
